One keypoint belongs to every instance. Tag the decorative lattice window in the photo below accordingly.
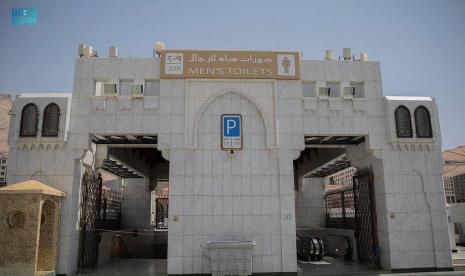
(29, 121)
(51, 120)
(403, 122)
(423, 122)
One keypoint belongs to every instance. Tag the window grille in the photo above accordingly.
(403, 122)
(423, 122)
(29, 121)
(51, 120)
(161, 215)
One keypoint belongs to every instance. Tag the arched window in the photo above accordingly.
(29, 121)
(423, 122)
(403, 122)
(51, 120)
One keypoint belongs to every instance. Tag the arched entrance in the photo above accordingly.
(46, 255)
(119, 217)
(335, 204)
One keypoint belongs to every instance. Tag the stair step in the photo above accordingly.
(458, 261)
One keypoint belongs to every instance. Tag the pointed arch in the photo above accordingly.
(220, 94)
(29, 121)
(51, 120)
(423, 122)
(403, 122)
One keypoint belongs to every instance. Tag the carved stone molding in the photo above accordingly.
(166, 154)
(410, 146)
(291, 154)
(194, 109)
(57, 146)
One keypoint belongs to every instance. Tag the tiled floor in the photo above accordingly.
(331, 266)
(153, 267)
(458, 258)
(131, 267)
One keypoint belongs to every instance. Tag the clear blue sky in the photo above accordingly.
(420, 44)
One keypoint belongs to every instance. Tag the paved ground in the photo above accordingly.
(332, 266)
(132, 267)
(458, 258)
(152, 267)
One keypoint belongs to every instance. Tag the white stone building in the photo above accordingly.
(291, 124)
(5, 105)
(342, 179)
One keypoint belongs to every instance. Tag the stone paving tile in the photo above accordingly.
(330, 266)
(133, 267)
(157, 267)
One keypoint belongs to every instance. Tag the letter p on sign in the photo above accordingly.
(230, 126)
(231, 131)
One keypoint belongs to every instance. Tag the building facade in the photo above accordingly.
(454, 174)
(244, 188)
(342, 179)
(449, 189)
(5, 105)
(455, 188)
(459, 187)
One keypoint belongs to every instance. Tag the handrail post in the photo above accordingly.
(343, 208)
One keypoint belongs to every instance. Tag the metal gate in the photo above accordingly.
(90, 220)
(340, 211)
(161, 213)
(365, 216)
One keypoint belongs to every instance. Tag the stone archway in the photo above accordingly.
(48, 233)
(262, 96)
(207, 123)
(242, 96)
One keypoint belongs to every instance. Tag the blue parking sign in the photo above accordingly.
(231, 126)
(231, 131)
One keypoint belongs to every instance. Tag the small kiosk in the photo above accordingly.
(29, 223)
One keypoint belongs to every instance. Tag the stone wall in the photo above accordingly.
(214, 196)
(29, 233)
(19, 244)
(135, 208)
(310, 207)
(48, 237)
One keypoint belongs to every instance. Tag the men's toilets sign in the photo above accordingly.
(229, 64)
(231, 132)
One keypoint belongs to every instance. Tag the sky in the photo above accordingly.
(420, 44)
